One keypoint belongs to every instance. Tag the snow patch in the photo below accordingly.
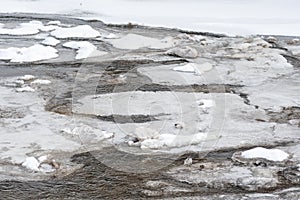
(194, 68)
(40, 82)
(28, 54)
(29, 28)
(51, 41)
(25, 89)
(31, 163)
(269, 154)
(82, 31)
(26, 77)
(189, 68)
(56, 22)
(84, 49)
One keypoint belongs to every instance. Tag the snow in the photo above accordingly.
(82, 31)
(269, 154)
(33, 53)
(206, 103)
(27, 77)
(194, 68)
(274, 17)
(31, 163)
(25, 89)
(189, 68)
(51, 41)
(42, 159)
(41, 82)
(84, 49)
(28, 28)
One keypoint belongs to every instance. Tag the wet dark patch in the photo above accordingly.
(285, 115)
(122, 119)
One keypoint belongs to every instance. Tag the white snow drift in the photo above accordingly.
(269, 154)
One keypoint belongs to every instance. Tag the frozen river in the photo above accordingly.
(89, 110)
(233, 17)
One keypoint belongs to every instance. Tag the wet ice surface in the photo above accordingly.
(145, 106)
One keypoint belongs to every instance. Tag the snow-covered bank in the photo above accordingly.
(231, 17)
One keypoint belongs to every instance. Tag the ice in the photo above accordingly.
(269, 154)
(31, 163)
(25, 89)
(232, 17)
(134, 41)
(183, 51)
(28, 54)
(82, 31)
(190, 68)
(84, 49)
(51, 41)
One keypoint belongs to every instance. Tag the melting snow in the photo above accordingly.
(269, 154)
(84, 49)
(82, 31)
(51, 41)
(28, 54)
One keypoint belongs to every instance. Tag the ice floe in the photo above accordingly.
(134, 41)
(51, 41)
(269, 154)
(81, 31)
(28, 54)
(84, 49)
